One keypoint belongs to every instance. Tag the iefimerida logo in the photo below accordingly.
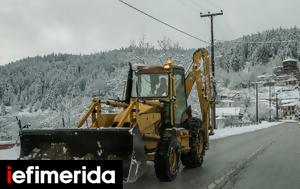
(35, 175)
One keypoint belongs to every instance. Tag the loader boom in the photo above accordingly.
(201, 76)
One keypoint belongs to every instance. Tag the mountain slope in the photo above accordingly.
(258, 48)
(49, 82)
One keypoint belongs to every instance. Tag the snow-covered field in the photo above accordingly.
(13, 153)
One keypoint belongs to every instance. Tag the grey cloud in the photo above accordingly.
(33, 27)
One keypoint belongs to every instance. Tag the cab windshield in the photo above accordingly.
(150, 85)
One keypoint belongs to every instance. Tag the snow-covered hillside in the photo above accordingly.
(44, 90)
(258, 48)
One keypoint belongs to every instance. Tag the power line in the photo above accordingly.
(166, 24)
(261, 42)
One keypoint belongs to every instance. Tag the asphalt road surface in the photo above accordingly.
(267, 158)
(277, 167)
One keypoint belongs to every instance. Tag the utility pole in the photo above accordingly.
(256, 91)
(277, 107)
(270, 103)
(211, 16)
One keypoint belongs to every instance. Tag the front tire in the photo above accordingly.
(167, 159)
(194, 158)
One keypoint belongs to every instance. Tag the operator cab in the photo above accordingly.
(150, 85)
(164, 83)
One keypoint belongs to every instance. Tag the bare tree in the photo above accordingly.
(165, 44)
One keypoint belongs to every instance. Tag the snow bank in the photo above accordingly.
(230, 131)
(7, 142)
(13, 153)
(9, 154)
(288, 121)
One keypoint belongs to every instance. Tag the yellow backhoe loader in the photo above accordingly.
(154, 124)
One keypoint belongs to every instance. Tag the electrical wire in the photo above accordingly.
(164, 23)
(260, 42)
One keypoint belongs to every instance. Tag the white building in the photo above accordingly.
(228, 116)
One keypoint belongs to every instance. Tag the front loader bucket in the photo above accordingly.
(74, 144)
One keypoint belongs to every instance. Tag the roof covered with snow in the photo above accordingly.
(259, 100)
(289, 95)
(229, 111)
(286, 101)
(292, 79)
(290, 104)
(290, 60)
(227, 101)
(264, 76)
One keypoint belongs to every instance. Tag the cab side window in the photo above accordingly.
(180, 103)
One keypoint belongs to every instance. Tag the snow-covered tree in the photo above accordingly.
(3, 109)
(44, 82)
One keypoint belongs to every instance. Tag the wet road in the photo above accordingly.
(278, 167)
(252, 156)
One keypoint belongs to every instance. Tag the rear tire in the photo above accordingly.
(194, 158)
(167, 159)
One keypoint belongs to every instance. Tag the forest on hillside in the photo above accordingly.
(52, 81)
(258, 49)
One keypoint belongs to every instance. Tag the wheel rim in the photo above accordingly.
(173, 159)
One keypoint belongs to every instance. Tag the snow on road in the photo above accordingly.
(230, 131)
(13, 153)
(9, 154)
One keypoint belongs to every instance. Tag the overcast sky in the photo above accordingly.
(38, 27)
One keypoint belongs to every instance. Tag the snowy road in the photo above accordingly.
(226, 157)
